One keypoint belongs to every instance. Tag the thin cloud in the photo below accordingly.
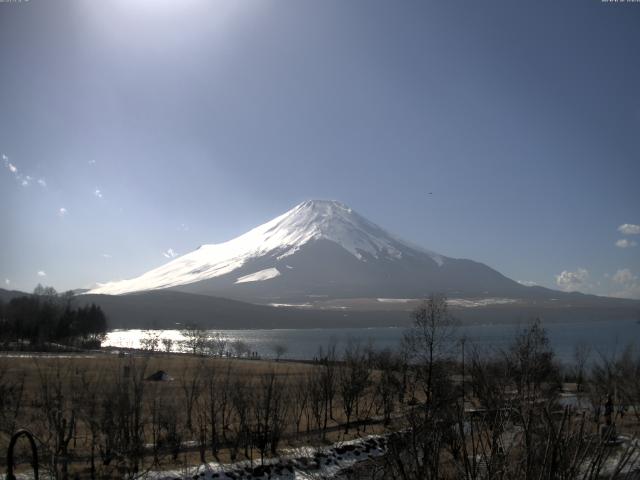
(625, 279)
(98, 193)
(527, 283)
(23, 179)
(7, 281)
(624, 243)
(623, 276)
(62, 212)
(10, 166)
(106, 255)
(629, 229)
(42, 273)
(573, 281)
(170, 253)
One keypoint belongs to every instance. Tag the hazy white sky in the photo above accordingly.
(135, 130)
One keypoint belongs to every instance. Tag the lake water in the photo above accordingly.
(604, 338)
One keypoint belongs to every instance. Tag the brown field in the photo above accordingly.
(58, 390)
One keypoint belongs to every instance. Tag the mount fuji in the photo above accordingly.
(320, 250)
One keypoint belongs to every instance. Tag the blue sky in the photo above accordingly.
(166, 124)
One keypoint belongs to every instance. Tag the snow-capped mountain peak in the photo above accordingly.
(333, 221)
(281, 237)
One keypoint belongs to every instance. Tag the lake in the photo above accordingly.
(604, 337)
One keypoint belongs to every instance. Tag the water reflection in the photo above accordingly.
(605, 338)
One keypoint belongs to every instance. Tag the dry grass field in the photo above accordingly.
(85, 409)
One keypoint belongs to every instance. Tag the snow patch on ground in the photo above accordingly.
(395, 300)
(479, 302)
(295, 305)
(296, 464)
(260, 276)
(457, 302)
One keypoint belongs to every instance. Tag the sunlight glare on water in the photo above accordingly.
(604, 338)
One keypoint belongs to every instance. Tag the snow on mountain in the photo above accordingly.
(262, 275)
(283, 236)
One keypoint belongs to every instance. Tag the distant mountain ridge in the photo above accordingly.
(320, 249)
(7, 295)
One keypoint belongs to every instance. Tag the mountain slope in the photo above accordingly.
(319, 249)
(7, 295)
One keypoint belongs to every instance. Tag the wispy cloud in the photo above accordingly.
(42, 273)
(170, 253)
(7, 281)
(527, 283)
(623, 276)
(106, 255)
(624, 243)
(98, 193)
(629, 229)
(625, 279)
(23, 179)
(573, 281)
(62, 212)
(91, 162)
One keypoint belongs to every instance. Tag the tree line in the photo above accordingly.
(48, 320)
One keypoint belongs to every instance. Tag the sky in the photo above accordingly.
(132, 131)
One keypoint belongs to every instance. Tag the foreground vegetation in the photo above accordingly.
(448, 411)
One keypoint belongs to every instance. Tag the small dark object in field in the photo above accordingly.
(159, 376)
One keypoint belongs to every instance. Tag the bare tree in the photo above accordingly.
(11, 397)
(58, 403)
(194, 339)
(90, 391)
(430, 427)
(150, 341)
(216, 344)
(240, 348)
(167, 343)
(327, 380)
(387, 384)
(353, 379)
(317, 397)
(581, 354)
(279, 350)
(269, 413)
(299, 401)
(122, 418)
(430, 341)
(191, 385)
(532, 367)
(242, 396)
